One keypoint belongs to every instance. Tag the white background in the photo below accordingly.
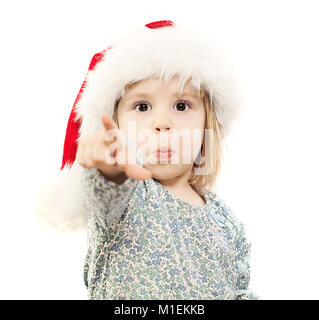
(270, 176)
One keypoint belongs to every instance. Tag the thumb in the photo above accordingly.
(108, 122)
(136, 172)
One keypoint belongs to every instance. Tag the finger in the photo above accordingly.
(87, 158)
(82, 157)
(136, 172)
(108, 122)
(113, 135)
(110, 154)
(112, 150)
(124, 154)
(126, 160)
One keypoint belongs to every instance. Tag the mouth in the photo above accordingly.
(163, 153)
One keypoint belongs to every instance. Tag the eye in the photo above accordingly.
(181, 105)
(143, 106)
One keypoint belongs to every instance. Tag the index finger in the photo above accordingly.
(108, 122)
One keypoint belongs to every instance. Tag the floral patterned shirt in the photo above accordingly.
(143, 242)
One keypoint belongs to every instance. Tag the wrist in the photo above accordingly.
(114, 175)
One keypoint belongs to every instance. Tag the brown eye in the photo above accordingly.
(142, 107)
(182, 106)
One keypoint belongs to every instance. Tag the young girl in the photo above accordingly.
(155, 230)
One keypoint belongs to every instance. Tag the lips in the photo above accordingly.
(164, 149)
(163, 152)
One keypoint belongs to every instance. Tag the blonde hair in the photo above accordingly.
(211, 148)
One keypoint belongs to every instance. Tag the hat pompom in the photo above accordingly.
(61, 203)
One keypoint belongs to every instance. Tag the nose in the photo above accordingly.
(162, 128)
(162, 122)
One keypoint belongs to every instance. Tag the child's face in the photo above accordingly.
(163, 119)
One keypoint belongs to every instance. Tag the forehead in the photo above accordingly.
(173, 86)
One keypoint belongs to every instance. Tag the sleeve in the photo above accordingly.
(242, 266)
(106, 199)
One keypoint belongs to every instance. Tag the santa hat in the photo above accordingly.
(161, 48)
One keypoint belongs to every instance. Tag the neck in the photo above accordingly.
(177, 183)
(181, 188)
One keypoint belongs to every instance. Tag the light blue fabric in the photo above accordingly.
(145, 243)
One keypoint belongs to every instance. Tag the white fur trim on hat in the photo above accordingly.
(163, 52)
(61, 203)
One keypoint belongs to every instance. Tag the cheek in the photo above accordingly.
(191, 142)
(123, 121)
(199, 120)
(136, 131)
(193, 120)
(194, 126)
(126, 118)
(190, 145)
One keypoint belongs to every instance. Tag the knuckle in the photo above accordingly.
(90, 165)
(120, 166)
(98, 158)
(83, 164)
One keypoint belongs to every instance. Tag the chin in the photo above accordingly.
(166, 171)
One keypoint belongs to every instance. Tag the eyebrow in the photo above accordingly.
(145, 95)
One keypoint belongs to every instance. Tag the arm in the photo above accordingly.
(118, 178)
(107, 199)
(242, 266)
(107, 181)
(241, 254)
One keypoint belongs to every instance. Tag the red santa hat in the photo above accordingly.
(161, 48)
